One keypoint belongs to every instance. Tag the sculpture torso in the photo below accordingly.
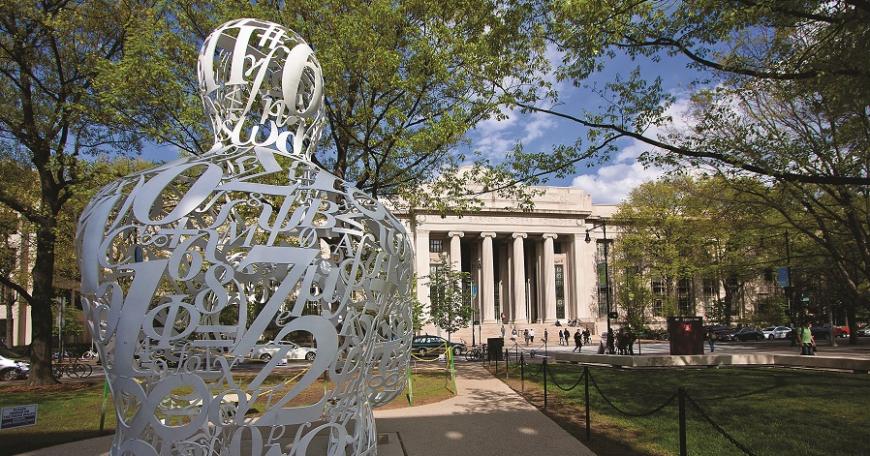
(189, 267)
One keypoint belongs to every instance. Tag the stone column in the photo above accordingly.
(487, 282)
(421, 250)
(455, 250)
(519, 279)
(549, 281)
(583, 276)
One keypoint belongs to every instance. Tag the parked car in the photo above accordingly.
(743, 334)
(267, 351)
(824, 331)
(864, 332)
(777, 332)
(427, 345)
(12, 370)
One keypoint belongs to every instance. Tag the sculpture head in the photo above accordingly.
(261, 85)
(192, 266)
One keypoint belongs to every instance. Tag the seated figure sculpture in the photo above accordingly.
(190, 267)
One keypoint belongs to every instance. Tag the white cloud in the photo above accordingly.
(611, 183)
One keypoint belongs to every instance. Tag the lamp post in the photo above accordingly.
(603, 226)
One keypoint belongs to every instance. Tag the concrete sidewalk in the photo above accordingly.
(485, 418)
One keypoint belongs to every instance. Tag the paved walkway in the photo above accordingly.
(485, 418)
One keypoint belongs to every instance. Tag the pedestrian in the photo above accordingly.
(587, 336)
(526, 336)
(578, 341)
(502, 331)
(532, 335)
(806, 337)
(631, 339)
(546, 336)
(711, 340)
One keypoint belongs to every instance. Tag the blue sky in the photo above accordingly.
(607, 182)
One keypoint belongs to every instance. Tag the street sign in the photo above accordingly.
(17, 416)
(782, 277)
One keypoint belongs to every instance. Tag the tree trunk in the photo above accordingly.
(853, 324)
(43, 281)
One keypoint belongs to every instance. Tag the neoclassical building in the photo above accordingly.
(526, 267)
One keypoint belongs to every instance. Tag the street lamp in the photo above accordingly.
(603, 226)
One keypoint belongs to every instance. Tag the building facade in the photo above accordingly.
(527, 267)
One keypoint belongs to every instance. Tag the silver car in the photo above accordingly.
(268, 350)
(12, 370)
(776, 332)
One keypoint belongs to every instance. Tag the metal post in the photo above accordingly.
(545, 383)
(522, 373)
(681, 395)
(103, 405)
(607, 284)
(507, 355)
(495, 355)
(586, 394)
(410, 388)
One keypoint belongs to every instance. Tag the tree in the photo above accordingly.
(680, 228)
(50, 58)
(810, 44)
(405, 82)
(450, 299)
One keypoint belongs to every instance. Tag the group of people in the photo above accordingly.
(528, 335)
(580, 338)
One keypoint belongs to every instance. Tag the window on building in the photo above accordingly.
(658, 308)
(560, 291)
(436, 245)
(557, 247)
(685, 300)
(710, 287)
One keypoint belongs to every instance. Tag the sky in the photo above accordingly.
(608, 182)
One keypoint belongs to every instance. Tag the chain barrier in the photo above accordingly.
(610, 403)
(539, 370)
(575, 385)
(718, 428)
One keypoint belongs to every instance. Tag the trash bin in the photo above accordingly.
(495, 348)
(686, 335)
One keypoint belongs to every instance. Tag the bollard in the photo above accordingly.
(507, 372)
(681, 395)
(545, 384)
(522, 373)
(586, 393)
(103, 406)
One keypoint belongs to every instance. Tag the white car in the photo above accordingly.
(267, 351)
(12, 370)
(776, 332)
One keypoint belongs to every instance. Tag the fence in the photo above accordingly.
(586, 378)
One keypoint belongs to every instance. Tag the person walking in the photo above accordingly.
(502, 331)
(806, 337)
(587, 336)
(526, 336)
(711, 340)
(532, 335)
(578, 341)
(546, 336)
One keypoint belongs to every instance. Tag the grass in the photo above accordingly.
(71, 411)
(770, 411)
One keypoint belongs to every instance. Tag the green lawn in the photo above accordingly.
(71, 411)
(770, 411)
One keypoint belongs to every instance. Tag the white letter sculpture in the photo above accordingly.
(190, 267)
